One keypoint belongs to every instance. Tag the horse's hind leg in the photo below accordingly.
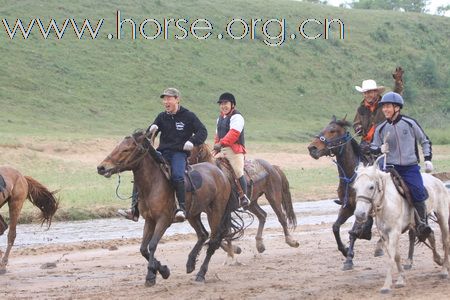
(202, 236)
(379, 248)
(409, 261)
(15, 206)
(274, 199)
(443, 219)
(261, 215)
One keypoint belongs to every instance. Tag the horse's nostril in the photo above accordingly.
(100, 169)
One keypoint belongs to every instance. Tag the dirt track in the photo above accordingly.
(115, 269)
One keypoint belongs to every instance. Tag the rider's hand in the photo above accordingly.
(153, 128)
(358, 130)
(217, 147)
(428, 166)
(188, 146)
(384, 148)
(398, 74)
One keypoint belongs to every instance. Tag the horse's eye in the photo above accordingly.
(371, 187)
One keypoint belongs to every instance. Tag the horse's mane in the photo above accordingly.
(205, 149)
(343, 123)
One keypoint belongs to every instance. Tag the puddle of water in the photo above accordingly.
(324, 211)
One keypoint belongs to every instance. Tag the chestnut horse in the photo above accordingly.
(157, 202)
(272, 183)
(18, 188)
(335, 140)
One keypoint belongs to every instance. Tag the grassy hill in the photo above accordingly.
(75, 88)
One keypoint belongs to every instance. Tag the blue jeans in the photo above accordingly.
(177, 160)
(413, 179)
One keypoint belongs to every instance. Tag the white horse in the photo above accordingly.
(375, 191)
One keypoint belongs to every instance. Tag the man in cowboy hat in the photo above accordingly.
(369, 114)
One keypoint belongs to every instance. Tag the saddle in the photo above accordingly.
(192, 179)
(400, 185)
(254, 173)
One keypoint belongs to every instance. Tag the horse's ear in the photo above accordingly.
(344, 119)
(333, 118)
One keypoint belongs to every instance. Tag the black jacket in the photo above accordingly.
(177, 129)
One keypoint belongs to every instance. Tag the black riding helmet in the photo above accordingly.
(227, 97)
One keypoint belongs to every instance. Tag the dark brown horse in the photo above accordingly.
(269, 180)
(18, 188)
(335, 141)
(157, 202)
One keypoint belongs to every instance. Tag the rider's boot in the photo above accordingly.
(180, 192)
(245, 202)
(423, 230)
(133, 212)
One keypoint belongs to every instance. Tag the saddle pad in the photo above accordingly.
(193, 180)
(254, 170)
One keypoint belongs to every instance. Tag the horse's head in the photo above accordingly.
(200, 153)
(126, 155)
(369, 188)
(334, 135)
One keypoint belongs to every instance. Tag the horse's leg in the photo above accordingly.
(401, 277)
(348, 264)
(275, 198)
(230, 249)
(15, 206)
(202, 236)
(344, 214)
(261, 215)
(443, 219)
(214, 218)
(149, 228)
(153, 265)
(379, 248)
(391, 249)
(409, 261)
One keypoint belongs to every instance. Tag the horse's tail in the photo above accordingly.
(42, 198)
(286, 199)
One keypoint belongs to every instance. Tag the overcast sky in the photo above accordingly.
(431, 7)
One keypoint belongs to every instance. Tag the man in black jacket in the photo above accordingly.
(180, 130)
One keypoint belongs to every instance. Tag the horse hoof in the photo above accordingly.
(261, 248)
(347, 266)
(407, 267)
(237, 250)
(385, 291)
(150, 282)
(293, 244)
(200, 278)
(378, 253)
(189, 268)
(164, 271)
(399, 285)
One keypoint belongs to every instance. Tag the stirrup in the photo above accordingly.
(127, 214)
(180, 216)
(244, 201)
(423, 231)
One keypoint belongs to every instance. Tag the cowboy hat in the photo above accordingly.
(369, 85)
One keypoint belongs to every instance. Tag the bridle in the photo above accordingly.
(335, 142)
(141, 149)
(369, 199)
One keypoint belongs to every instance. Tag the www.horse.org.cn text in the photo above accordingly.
(270, 31)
